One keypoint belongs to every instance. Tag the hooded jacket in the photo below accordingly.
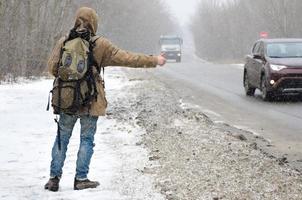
(105, 54)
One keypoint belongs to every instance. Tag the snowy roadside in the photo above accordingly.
(150, 141)
(199, 159)
(27, 132)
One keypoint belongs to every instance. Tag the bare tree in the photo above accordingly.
(227, 30)
(29, 28)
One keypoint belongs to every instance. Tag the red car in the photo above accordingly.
(275, 67)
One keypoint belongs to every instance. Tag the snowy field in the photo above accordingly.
(27, 133)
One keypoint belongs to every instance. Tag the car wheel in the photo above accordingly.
(178, 60)
(266, 95)
(249, 90)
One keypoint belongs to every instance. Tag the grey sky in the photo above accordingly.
(182, 9)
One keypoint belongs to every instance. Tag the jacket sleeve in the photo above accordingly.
(54, 57)
(113, 56)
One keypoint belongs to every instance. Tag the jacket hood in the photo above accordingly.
(86, 18)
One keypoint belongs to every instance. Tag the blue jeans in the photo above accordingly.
(88, 129)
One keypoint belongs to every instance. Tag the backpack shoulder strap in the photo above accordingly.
(94, 39)
(100, 68)
(91, 47)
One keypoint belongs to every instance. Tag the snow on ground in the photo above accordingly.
(239, 66)
(199, 159)
(27, 133)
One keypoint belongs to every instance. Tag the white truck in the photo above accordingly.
(171, 46)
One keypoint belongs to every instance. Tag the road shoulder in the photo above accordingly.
(199, 159)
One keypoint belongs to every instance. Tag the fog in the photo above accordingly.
(30, 29)
(222, 30)
(227, 31)
(182, 10)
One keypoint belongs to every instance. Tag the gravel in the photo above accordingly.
(193, 158)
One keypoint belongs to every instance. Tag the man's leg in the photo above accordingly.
(66, 124)
(88, 130)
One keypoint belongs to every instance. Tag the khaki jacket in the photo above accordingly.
(105, 54)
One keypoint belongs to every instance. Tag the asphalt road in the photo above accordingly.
(218, 91)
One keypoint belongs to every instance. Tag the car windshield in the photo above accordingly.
(170, 41)
(284, 50)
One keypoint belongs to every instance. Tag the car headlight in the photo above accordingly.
(277, 67)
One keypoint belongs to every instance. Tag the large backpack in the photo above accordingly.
(75, 85)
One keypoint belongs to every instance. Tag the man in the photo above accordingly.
(105, 54)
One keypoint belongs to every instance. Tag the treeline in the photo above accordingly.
(226, 31)
(29, 29)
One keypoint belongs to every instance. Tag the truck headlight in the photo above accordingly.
(277, 67)
(179, 54)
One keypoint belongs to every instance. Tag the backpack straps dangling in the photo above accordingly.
(59, 111)
(92, 62)
(103, 76)
(48, 104)
(58, 133)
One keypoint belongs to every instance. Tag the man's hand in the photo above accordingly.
(161, 60)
